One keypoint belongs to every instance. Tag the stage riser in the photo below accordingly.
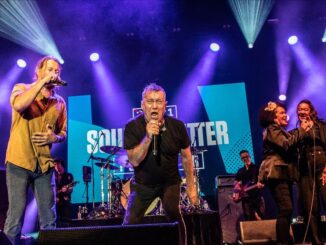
(113, 235)
(202, 228)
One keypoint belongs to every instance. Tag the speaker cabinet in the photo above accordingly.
(230, 212)
(162, 233)
(258, 232)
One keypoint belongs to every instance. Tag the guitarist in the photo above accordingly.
(246, 178)
(64, 185)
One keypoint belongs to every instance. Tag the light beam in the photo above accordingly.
(22, 23)
(251, 15)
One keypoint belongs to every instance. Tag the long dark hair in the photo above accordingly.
(313, 113)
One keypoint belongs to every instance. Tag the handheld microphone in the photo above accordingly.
(155, 145)
(58, 82)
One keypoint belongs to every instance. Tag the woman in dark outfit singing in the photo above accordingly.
(275, 170)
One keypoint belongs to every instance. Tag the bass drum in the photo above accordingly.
(151, 210)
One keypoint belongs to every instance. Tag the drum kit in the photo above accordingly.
(118, 190)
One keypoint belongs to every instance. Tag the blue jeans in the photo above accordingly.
(43, 185)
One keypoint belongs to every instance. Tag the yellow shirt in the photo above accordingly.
(21, 151)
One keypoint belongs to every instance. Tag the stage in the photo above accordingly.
(203, 228)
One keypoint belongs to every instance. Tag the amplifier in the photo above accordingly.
(224, 180)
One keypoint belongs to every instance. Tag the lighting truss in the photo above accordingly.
(251, 15)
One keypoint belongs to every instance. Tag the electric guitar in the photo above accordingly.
(72, 184)
(64, 197)
(238, 194)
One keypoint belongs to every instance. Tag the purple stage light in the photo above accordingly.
(94, 57)
(293, 40)
(282, 97)
(201, 74)
(21, 63)
(214, 47)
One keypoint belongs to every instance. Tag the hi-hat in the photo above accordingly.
(112, 150)
(105, 165)
(197, 150)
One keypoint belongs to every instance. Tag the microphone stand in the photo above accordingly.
(91, 156)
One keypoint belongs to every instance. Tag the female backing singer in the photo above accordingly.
(275, 170)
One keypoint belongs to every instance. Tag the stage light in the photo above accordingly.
(324, 37)
(214, 47)
(282, 97)
(293, 40)
(22, 23)
(251, 16)
(94, 57)
(21, 63)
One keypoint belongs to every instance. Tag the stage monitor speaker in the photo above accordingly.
(145, 234)
(258, 232)
(230, 212)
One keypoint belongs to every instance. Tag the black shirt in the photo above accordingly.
(249, 177)
(163, 168)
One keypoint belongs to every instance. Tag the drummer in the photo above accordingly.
(153, 142)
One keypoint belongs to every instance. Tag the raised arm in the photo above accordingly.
(23, 95)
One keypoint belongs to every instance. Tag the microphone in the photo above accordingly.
(155, 145)
(58, 82)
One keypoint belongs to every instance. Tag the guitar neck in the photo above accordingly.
(251, 187)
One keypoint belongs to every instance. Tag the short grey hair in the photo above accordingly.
(153, 87)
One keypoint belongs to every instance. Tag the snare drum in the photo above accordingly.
(125, 195)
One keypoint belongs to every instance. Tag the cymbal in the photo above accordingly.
(101, 159)
(197, 150)
(112, 150)
(105, 165)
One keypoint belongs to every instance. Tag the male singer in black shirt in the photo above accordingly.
(153, 142)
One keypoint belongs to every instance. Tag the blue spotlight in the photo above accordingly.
(293, 40)
(282, 97)
(214, 47)
(323, 39)
(21, 63)
(94, 57)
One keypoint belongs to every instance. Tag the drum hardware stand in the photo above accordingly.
(195, 152)
(196, 163)
(91, 157)
(203, 205)
(109, 182)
